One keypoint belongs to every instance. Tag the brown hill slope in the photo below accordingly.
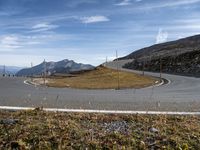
(177, 57)
(173, 48)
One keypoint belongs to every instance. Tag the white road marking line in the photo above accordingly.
(27, 82)
(159, 84)
(102, 111)
(168, 81)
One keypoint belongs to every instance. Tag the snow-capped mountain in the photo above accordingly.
(64, 66)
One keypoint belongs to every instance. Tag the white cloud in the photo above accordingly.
(94, 19)
(20, 42)
(172, 3)
(79, 2)
(43, 27)
(180, 2)
(7, 43)
(12, 42)
(161, 37)
(124, 3)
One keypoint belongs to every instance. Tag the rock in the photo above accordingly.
(116, 126)
(153, 130)
(142, 145)
(9, 121)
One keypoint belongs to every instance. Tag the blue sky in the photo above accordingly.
(89, 30)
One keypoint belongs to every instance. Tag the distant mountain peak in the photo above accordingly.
(66, 60)
(63, 66)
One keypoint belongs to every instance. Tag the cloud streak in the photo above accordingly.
(15, 42)
(124, 3)
(165, 4)
(94, 19)
(43, 27)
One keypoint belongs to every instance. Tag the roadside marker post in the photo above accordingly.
(118, 87)
(160, 69)
(31, 72)
(44, 72)
(4, 69)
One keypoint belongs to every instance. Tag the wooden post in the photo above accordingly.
(31, 71)
(4, 70)
(117, 70)
(44, 72)
(143, 68)
(160, 69)
(143, 63)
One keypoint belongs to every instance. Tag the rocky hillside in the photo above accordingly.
(64, 66)
(178, 57)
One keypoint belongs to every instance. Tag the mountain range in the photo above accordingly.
(9, 69)
(180, 57)
(64, 66)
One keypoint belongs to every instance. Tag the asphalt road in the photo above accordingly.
(181, 94)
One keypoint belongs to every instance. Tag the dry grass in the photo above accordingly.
(103, 78)
(47, 130)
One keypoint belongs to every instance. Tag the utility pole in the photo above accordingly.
(44, 72)
(31, 71)
(149, 64)
(143, 65)
(143, 68)
(106, 62)
(117, 70)
(4, 70)
(160, 69)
